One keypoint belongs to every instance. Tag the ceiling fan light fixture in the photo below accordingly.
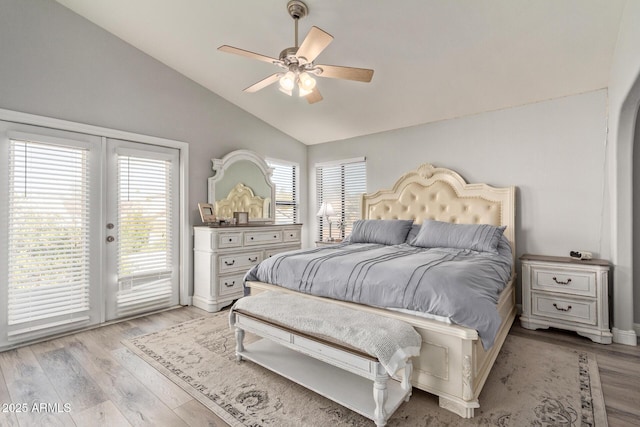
(288, 81)
(286, 91)
(306, 82)
(297, 62)
(303, 92)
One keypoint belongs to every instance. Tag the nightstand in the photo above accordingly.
(565, 293)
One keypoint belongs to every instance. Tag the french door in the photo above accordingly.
(88, 230)
(142, 228)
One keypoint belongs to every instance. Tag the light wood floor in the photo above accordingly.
(106, 385)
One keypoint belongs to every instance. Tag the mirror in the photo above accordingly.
(242, 183)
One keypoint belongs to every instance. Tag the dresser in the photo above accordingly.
(565, 293)
(222, 256)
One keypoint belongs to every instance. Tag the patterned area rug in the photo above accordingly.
(532, 384)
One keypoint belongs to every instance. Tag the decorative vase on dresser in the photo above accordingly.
(566, 293)
(222, 256)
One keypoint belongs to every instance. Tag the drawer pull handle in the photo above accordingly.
(230, 285)
(230, 239)
(290, 235)
(275, 237)
(254, 259)
(560, 282)
(252, 238)
(562, 308)
(230, 263)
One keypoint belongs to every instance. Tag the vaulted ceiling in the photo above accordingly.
(433, 59)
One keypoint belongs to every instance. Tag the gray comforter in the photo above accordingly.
(463, 285)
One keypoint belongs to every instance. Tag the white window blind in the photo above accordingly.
(48, 207)
(285, 179)
(341, 184)
(144, 234)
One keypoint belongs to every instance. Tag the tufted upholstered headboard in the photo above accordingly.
(441, 194)
(242, 199)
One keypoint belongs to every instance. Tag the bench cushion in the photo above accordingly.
(390, 341)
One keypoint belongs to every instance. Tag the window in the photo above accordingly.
(285, 177)
(341, 184)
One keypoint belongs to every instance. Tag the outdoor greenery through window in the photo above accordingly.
(286, 180)
(341, 184)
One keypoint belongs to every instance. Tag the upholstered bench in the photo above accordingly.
(333, 350)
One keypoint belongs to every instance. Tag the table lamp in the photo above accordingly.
(326, 210)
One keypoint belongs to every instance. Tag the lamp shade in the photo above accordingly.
(325, 210)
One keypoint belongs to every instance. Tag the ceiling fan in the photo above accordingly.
(297, 62)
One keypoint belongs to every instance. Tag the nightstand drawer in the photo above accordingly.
(573, 310)
(235, 262)
(565, 280)
(228, 285)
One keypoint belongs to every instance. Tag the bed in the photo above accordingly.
(453, 363)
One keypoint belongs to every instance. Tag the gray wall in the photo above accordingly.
(553, 152)
(57, 64)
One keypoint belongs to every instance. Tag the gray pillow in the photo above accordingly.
(413, 232)
(477, 237)
(381, 231)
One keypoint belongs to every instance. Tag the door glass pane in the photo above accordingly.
(49, 254)
(145, 234)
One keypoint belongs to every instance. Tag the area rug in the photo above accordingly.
(532, 383)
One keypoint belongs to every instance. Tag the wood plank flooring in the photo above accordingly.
(104, 384)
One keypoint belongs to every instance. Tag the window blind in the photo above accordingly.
(144, 234)
(341, 184)
(48, 210)
(285, 179)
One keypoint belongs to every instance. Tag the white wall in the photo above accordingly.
(636, 224)
(553, 152)
(624, 99)
(57, 64)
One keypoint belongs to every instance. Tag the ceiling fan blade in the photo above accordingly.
(246, 53)
(347, 73)
(314, 96)
(313, 44)
(263, 83)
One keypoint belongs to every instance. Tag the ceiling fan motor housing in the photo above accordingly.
(297, 9)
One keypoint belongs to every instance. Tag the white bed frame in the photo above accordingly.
(452, 363)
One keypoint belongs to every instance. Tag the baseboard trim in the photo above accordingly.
(625, 337)
(636, 327)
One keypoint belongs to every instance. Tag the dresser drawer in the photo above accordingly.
(268, 253)
(291, 235)
(565, 280)
(262, 237)
(556, 307)
(228, 285)
(239, 262)
(229, 240)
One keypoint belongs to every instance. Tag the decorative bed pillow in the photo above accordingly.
(381, 231)
(477, 237)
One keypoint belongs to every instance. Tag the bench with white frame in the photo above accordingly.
(337, 372)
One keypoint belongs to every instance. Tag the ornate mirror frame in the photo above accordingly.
(219, 167)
